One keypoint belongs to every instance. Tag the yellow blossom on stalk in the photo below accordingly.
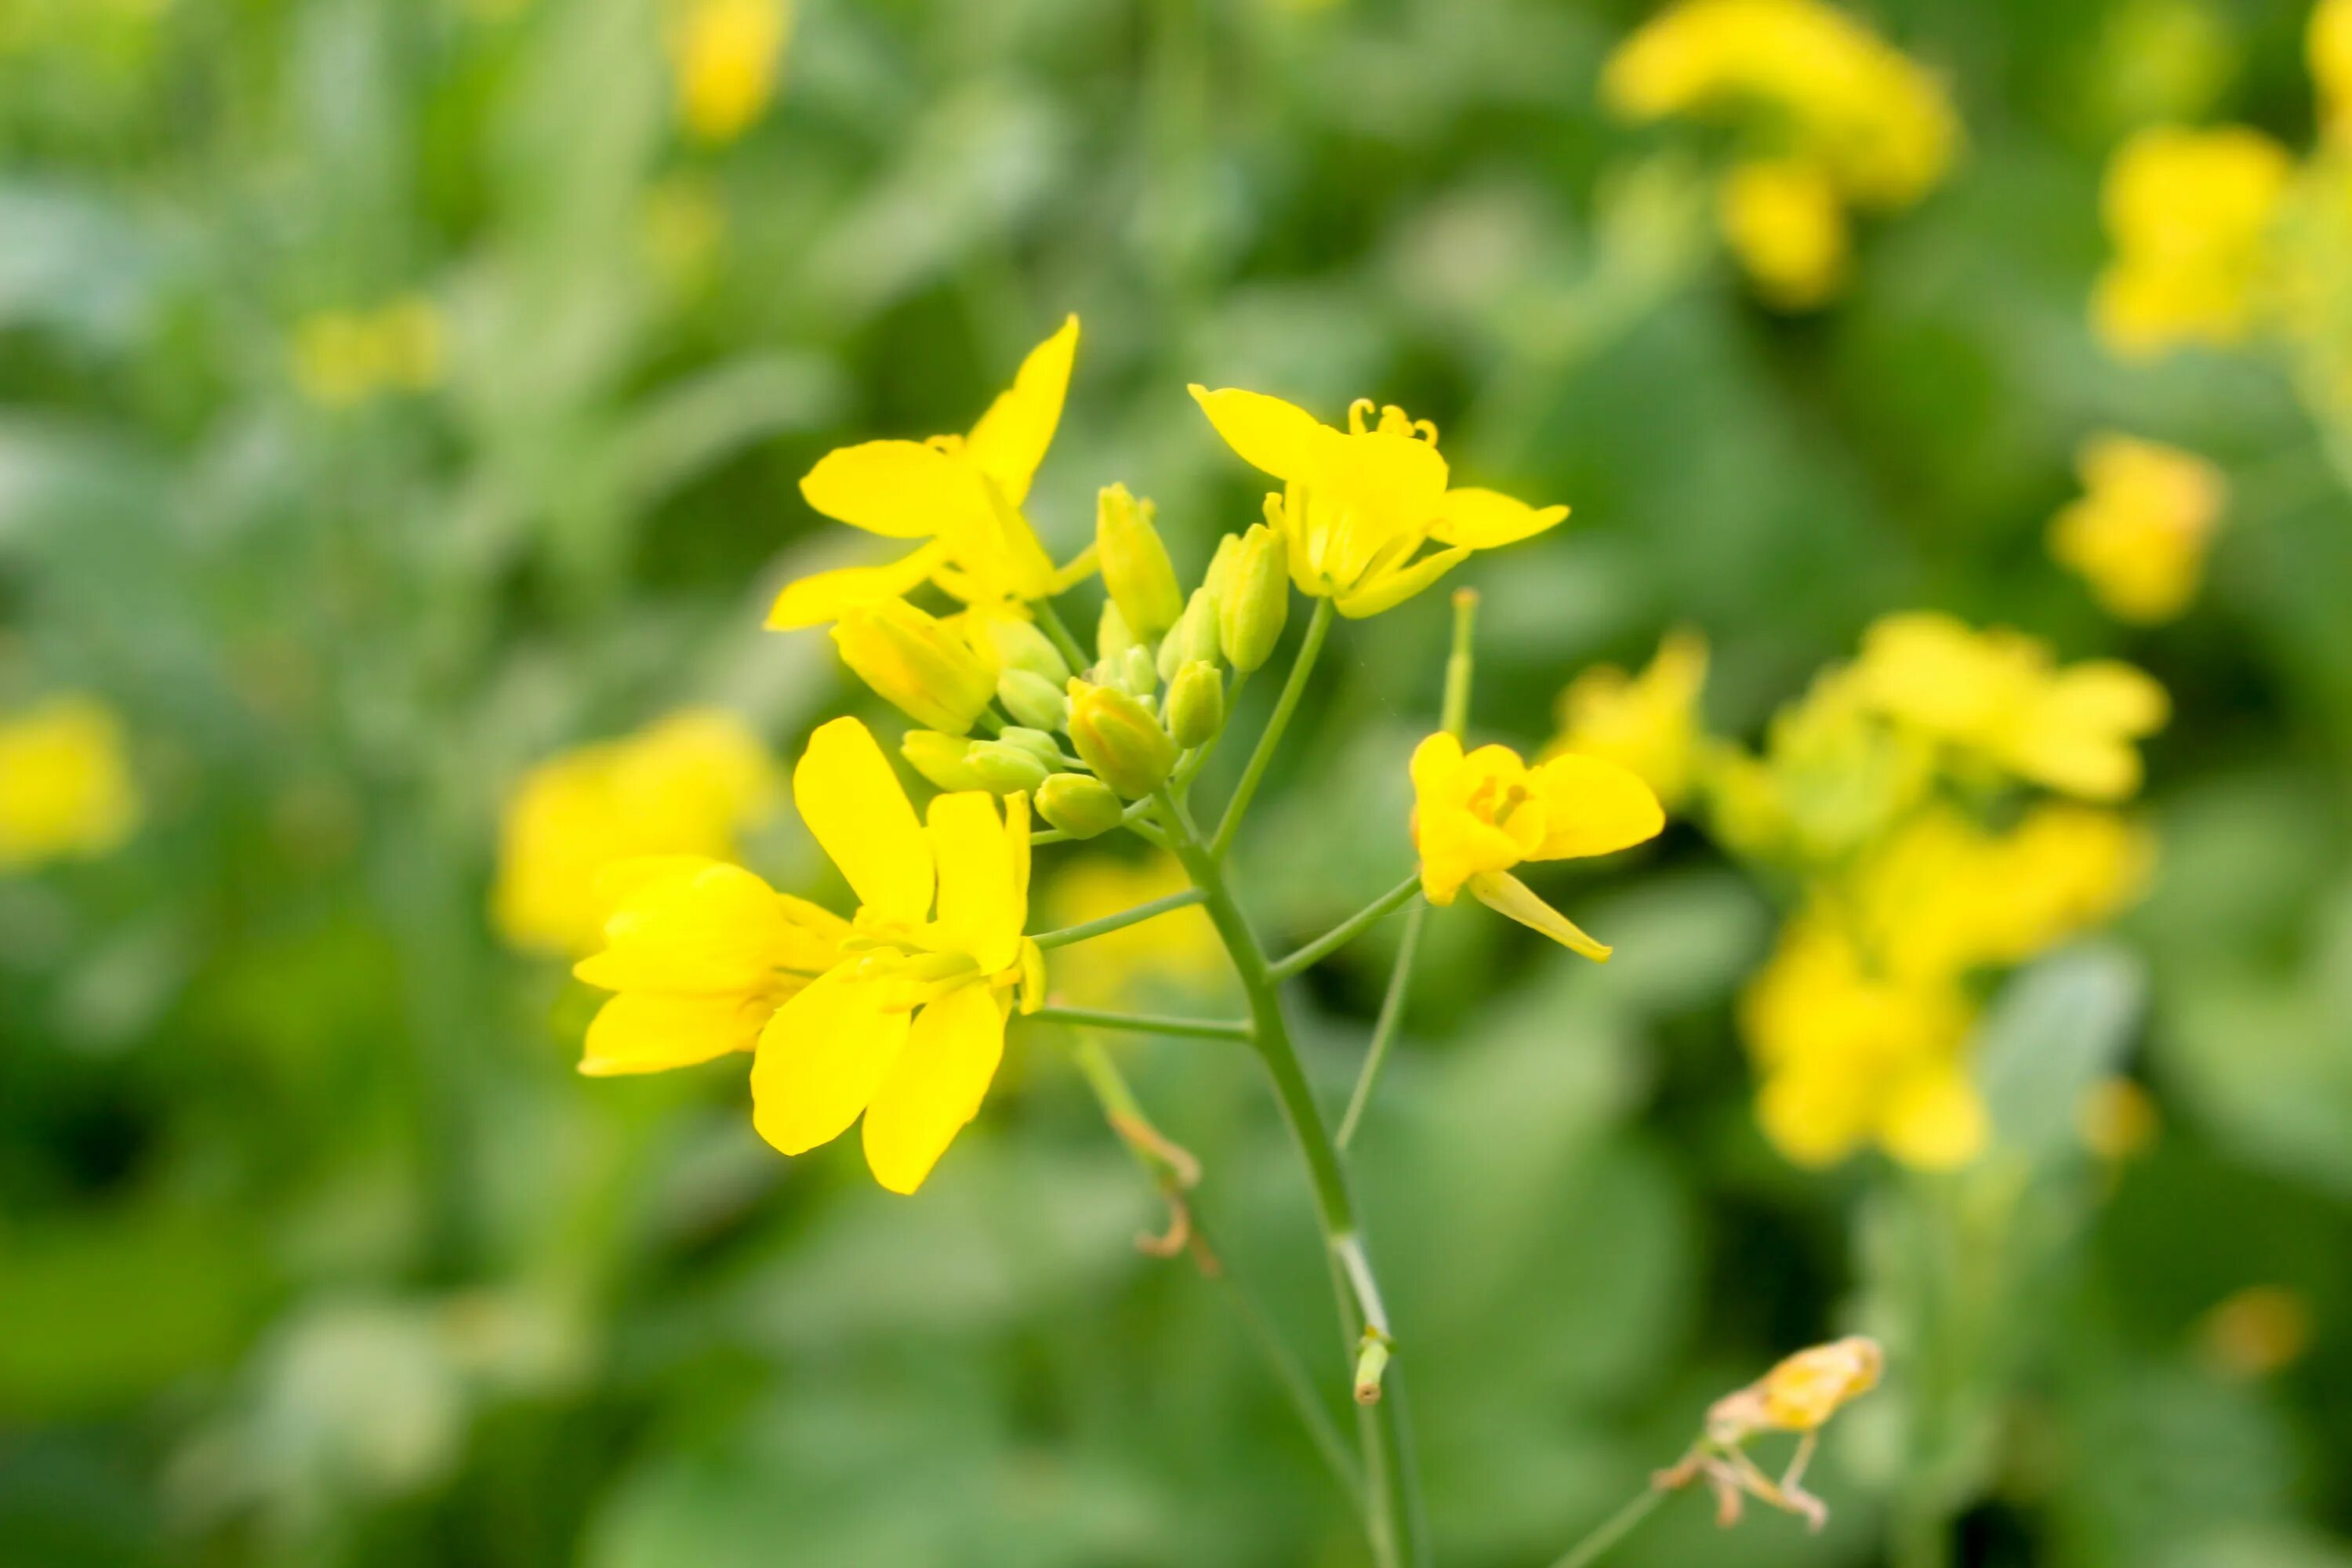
(2190, 214)
(1647, 723)
(701, 954)
(1178, 951)
(1477, 816)
(65, 782)
(1358, 504)
(1783, 220)
(1799, 1395)
(690, 785)
(725, 55)
(2139, 533)
(2328, 44)
(960, 494)
(1996, 697)
(907, 1027)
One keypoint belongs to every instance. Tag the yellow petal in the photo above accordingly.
(1485, 519)
(1390, 589)
(1593, 806)
(935, 1086)
(900, 489)
(1936, 1121)
(1506, 895)
(1011, 438)
(980, 905)
(815, 600)
(821, 1059)
(1280, 437)
(688, 925)
(1016, 838)
(852, 803)
(651, 1031)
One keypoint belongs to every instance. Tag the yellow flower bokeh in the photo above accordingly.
(2139, 534)
(66, 790)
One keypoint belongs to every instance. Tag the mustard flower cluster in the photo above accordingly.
(1829, 119)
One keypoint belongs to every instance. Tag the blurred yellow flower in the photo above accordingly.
(686, 785)
(1176, 952)
(960, 494)
(1786, 225)
(1477, 816)
(1834, 776)
(907, 1028)
(65, 782)
(1358, 505)
(2139, 533)
(2329, 47)
(2116, 1120)
(1647, 723)
(701, 954)
(2259, 1331)
(1996, 697)
(2190, 214)
(725, 55)
(343, 358)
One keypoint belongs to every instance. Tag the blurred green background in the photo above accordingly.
(394, 392)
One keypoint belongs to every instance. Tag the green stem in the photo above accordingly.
(1145, 1023)
(1119, 921)
(1455, 714)
(1613, 1529)
(1050, 620)
(1318, 626)
(1384, 1030)
(1346, 931)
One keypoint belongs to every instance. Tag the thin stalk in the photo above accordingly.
(1613, 1529)
(1050, 620)
(1119, 921)
(1346, 931)
(1145, 1023)
(1318, 626)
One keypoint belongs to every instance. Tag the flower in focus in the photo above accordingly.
(2139, 533)
(1358, 504)
(725, 55)
(1176, 952)
(2190, 214)
(907, 1028)
(1782, 219)
(960, 494)
(924, 667)
(1995, 696)
(1647, 723)
(701, 954)
(65, 782)
(2329, 45)
(690, 785)
(344, 358)
(1799, 1395)
(1477, 816)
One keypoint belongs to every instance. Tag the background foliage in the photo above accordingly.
(313, 1249)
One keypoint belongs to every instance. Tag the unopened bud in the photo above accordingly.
(1113, 635)
(1118, 738)
(1004, 768)
(1197, 630)
(1195, 708)
(1172, 655)
(1255, 600)
(1019, 644)
(916, 663)
(1036, 743)
(1080, 805)
(1137, 671)
(1032, 699)
(940, 759)
(1219, 574)
(1135, 564)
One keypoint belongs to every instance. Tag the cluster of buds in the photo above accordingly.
(1798, 1396)
(1155, 694)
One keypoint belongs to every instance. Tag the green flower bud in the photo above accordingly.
(1033, 700)
(1172, 655)
(1196, 704)
(1113, 635)
(1135, 564)
(1256, 600)
(1197, 630)
(940, 759)
(1004, 768)
(1219, 574)
(1079, 806)
(1118, 738)
(1036, 743)
(1019, 644)
(1137, 673)
(916, 663)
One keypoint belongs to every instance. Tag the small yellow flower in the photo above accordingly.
(725, 55)
(2329, 45)
(2258, 1330)
(1996, 695)
(907, 1028)
(1477, 816)
(1783, 220)
(2190, 214)
(2139, 534)
(1835, 776)
(65, 782)
(1360, 504)
(688, 785)
(1647, 723)
(1178, 952)
(960, 494)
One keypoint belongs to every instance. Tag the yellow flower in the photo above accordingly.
(1997, 697)
(2116, 1120)
(961, 494)
(926, 667)
(1804, 73)
(701, 954)
(1647, 723)
(725, 55)
(1178, 952)
(1835, 776)
(2328, 44)
(2258, 1330)
(1360, 504)
(2138, 536)
(908, 1027)
(343, 358)
(686, 785)
(2190, 214)
(1477, 816)
(1782, 219)
(65, 782)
